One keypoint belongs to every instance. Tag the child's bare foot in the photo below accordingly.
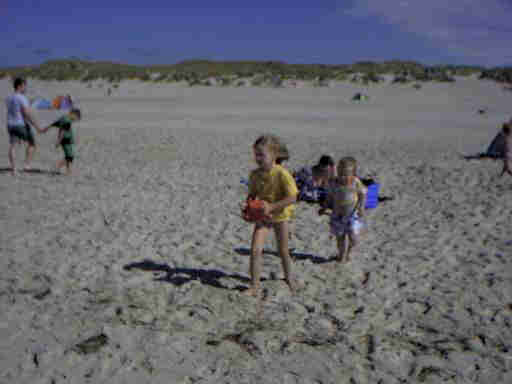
(253, 292)
(366, 277)
(294, 285)
(343, 260)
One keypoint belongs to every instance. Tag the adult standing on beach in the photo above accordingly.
(19, 121)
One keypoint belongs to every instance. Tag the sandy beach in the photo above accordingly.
(131, 270)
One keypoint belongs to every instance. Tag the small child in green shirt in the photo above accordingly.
(66, 138)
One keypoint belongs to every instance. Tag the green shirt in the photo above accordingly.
(64, 124)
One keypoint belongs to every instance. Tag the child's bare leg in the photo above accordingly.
(60, 164)
(258, 240)
(291, 234)
(281, 230)
(68, 167)
(343, 247)
(353, 241)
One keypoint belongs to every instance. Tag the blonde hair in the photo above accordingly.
(272, 142)
(346, 164)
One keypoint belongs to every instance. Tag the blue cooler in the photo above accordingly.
(372, 198)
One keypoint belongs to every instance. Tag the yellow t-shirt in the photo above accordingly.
(273, 186)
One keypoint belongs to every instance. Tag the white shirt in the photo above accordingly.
(14, 104)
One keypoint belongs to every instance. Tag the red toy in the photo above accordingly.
(254, 211)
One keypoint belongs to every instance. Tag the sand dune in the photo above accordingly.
(130, 271)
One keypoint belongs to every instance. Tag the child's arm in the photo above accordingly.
(54, 124)
(250, 195)
(361, 201)
(279, 205)
(59, 138)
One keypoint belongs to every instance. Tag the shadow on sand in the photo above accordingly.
(480, 156)
(34, 170)
(180, 276)
(294, 255)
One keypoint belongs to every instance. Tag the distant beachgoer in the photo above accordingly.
(20, 121)
(346, 201)
(507, 157)
(66, 138)
(275, 186)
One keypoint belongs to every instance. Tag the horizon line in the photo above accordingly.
(192, 60)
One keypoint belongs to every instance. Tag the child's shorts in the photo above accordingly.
(68, 152)
(350, 225)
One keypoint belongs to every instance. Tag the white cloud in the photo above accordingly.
(478, 30)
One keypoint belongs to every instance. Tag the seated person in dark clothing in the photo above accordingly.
(312, 183)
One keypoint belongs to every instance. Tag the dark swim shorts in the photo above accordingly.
(21, 133)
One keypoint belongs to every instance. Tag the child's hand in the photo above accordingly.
(267, 208)
(243, 210)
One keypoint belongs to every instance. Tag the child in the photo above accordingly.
(66, 138)
(507, 157)
(346, 198)
(274, 185)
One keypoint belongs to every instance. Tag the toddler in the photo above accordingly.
(66, 138)
(346, 199)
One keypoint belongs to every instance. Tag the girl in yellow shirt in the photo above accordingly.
(276, 187)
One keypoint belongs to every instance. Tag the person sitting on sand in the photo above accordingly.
(66, 138)
(19, 121)
(346, 200)
(507, 156)
(314, 190)
(274, 185)
(312, 182)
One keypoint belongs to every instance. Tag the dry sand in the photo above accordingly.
(130, 271)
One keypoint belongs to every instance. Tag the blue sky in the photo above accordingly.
(294, 31)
